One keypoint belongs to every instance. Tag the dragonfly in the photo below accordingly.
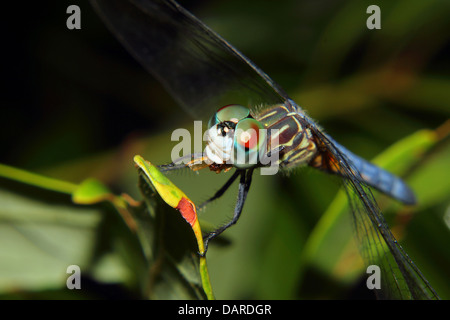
(209, 78)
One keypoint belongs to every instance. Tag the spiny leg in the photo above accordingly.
(244, 186)
(181, 163)
(222, 190)
(171, 166)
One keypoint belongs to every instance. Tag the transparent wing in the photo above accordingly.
(198, 68)
(400, 277)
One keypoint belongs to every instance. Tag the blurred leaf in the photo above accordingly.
(40, 239)
(35, 179)
(91, 191)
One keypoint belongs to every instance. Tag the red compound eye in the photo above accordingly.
(247, 133)
(247, 141)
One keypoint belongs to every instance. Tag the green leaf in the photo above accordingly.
(176, 198)
(39, 239)
(43, 232)
(91, 191)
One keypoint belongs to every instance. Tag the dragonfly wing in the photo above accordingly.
(197, 67)
(400, 277)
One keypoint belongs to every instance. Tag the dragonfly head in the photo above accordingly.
(234, 137)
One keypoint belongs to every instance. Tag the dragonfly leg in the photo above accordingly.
(244, 186)
(171, 166)
(222, 190)
(187, 161)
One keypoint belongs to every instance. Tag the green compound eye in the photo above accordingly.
(231, 112)
(248, 139)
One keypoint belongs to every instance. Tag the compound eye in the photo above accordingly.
(247, 134)
(247, 141)
(232, 112)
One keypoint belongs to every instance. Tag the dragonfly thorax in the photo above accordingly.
(234, 137)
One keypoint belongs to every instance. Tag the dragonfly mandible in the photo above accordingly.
(203, 72)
